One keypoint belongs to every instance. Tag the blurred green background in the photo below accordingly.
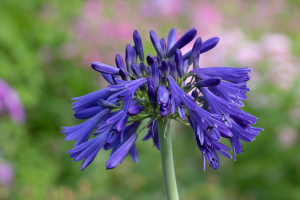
(46, 48)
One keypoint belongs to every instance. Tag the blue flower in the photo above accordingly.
(171, 39)
(156, 43)
(150, 60)
(179, 62)
(220, 106)
(103, 68)
(82, 132)
(235, 75)
(121, 148)
(120, 62)
(195, 51)
(161, 90)
(153, 133)
(206, 46)
(163, 100)
(138, 44)
(129, 57)
(184, 40)
(163, 45)
(155, 74)
(86, 106)
(118, 156)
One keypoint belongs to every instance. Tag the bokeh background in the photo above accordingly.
(46, 48)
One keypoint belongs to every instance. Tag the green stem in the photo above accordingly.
(149, 122)
(187, 75)
(167, 159)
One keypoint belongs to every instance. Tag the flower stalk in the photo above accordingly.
(167, 159)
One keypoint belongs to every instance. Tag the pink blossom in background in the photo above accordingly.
(6, 174)
(207, 19)
(124, 30)
(92, 9)
(170, 8)
(9, 100)
(287, 137)
(249, 53)
(283, 68)
(276, 45)
(166, 8)
(94, 30)
(265, 12)
(87, 58)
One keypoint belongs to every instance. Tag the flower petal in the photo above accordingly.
(118, 156)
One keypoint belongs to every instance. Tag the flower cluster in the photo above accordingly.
(158, 87)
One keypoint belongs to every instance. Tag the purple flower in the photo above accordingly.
(165, 68)
(108, 78)
(136, 70)
(171, 38)
(152, 92)
(82, 132)
(138, 44)
(163, 100)
(103, 68)
(235, 75)
(129, 57)
(153, 133)
(195, 51)
(195, 94)
(148, 71)
(89, 101)
(220, 106)
(206, 46)
(155, 74)
(143, 68)
(124, 75)
(163, 45)
(118, 156)
(184, 40)
(156, 43)
(88, 150)
(156, 91)
(134, 55)
(121, 148)
(179, 62)
(87, 112)
(116, 122)
(173, 69)
(150, 60)
(6, 174)
(119, 62)
(209, 82)
(9, 100)
(125, 91)
(158, 59)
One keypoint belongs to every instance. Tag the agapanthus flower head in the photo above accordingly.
(161, 90)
